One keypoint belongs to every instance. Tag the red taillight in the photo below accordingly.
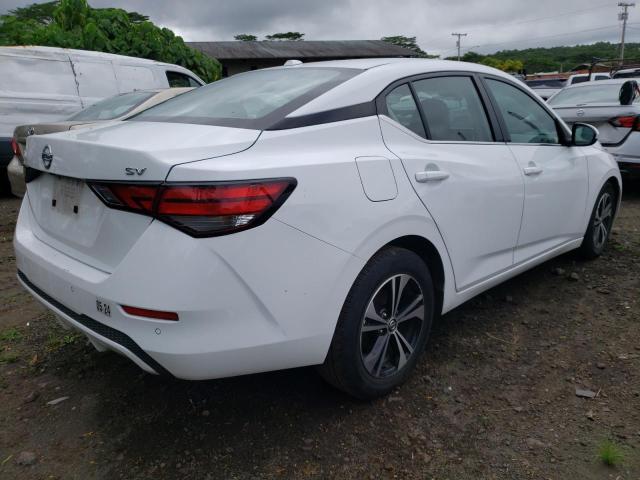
(201, 210)
(626, 121)
(15, 146)
(155, 314)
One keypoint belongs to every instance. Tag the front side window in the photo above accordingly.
(453, 110)
(525, 119)
(112, 107)
(403, 109)
(256, 99)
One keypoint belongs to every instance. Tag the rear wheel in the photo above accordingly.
(383, 326)
(600, 223)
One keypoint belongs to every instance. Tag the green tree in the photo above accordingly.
(408, 42)
(245, 37)
(74, 24)
(297, 36)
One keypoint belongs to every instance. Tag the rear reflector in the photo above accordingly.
(155, 314)
(203, 210)
(625, 121)
(15, 146)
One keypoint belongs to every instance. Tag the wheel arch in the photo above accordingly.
(428, 252)
(617, 186)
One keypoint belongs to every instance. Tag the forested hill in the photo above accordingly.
(557, 58)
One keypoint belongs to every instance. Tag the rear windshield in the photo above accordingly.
(593, 94)
(112, 107)
(253, 100)
(550, 83)
(633, 74)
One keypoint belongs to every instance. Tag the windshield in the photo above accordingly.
(550, 83)
(254, 99)
(112, 107)
(588, 95)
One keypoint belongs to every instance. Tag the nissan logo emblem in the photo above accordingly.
(580, 113)
(47, 157)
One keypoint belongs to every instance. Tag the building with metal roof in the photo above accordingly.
(238, 56)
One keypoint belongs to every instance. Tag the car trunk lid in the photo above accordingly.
(599, 116)
(68, 214)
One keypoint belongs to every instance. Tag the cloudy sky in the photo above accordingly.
(491, 24)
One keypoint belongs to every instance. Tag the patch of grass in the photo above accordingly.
(610, 454)
(56, 342)
(8, 357)
(10, 335)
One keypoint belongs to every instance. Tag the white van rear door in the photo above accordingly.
(35, 89)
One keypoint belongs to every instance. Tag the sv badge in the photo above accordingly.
(134, 171)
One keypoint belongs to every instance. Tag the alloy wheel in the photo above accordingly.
(391, 325)
(602, 220)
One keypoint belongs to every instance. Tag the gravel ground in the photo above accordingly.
(494, 396)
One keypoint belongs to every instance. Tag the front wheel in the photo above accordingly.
(383, 325)
(600, 223)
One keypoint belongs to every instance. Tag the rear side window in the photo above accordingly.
(256, 100)
(453, 110)
(177, 79)
(525, 119)
(403, 109)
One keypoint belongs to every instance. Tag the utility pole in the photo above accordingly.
(624, 16)
(459, 35)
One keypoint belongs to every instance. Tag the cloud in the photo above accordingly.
(491, 25)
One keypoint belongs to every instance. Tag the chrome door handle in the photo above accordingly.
(431, 176)
(532, 170)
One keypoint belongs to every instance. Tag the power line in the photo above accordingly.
(559, 16)
(547, 36)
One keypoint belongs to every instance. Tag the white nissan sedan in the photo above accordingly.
(316, 214)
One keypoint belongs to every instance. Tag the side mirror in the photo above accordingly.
(628, 92)
(583, 135)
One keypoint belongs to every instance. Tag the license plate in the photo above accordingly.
(103, 307)
(66, 194)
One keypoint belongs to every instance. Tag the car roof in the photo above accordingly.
(377, 74)
(61, 54)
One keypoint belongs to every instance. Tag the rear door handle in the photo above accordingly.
(431, 176)
(532, 170)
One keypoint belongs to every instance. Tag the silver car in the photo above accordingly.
(598, 103)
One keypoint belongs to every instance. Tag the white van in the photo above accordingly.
(45, 84)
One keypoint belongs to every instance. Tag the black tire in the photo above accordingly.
(346, 366)
(599, 229)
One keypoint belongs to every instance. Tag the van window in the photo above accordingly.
(36, 76)
(134, 78)
(177, 79)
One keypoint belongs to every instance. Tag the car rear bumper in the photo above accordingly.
(627, 154)
(15, 171)
(264, 299)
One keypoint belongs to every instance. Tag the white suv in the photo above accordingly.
(317, 214)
